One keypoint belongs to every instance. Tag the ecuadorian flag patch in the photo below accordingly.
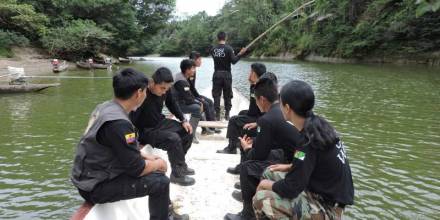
(300, 155)
(130, 138)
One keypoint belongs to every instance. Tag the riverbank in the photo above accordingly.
(34, 61)
(432, 59)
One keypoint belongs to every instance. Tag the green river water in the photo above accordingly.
(389, 117)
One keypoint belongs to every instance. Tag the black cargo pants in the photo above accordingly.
(222, 82)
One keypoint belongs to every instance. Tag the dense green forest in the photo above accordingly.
(76, 28)
(336, 28)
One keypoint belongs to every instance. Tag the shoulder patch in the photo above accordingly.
(130, 138)
(299, 155)
(186, 88)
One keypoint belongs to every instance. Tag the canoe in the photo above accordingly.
(209, 198)
(124, 60)
(27, 87)
(85, 65)
(60, 67)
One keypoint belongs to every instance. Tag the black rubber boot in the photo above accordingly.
(187, 170)
(233, 170)
(217, 116)
(178, 177)
(194, 122)
(172, 215)
(230, 149)
(207, 131)
(237, 185)
(227, 115)
(237, 195)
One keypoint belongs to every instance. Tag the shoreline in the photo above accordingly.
(34, 62)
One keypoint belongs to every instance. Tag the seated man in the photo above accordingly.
(184, 96)
(245, 121)
(108, 165)
(166, 134)
(207, 103)
(318, 184)
(272, 145)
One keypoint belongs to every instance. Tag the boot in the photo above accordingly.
(237, 185)
(227, 115)
(172, 215)
(195, 139)
(227, 150)
(216, 130)
(217, 116)
(178, 177)
(194, 122)
(207, 131)
(237, 195)
(233, 170)
(230, 149)
(187, 170)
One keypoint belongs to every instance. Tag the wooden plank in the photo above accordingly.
(213, 124)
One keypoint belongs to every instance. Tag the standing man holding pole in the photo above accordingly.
(223, 56)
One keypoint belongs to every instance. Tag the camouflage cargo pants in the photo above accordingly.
(268, 204)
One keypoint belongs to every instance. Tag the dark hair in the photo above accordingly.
(127, 82)
(301, 99)
(161, 75)
(186, 64)
(194, 55)
(258, 68)
(267, 88)
(221, 35)
(271, 76)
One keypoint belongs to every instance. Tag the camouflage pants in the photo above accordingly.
(268, 204)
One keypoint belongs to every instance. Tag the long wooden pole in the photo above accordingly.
(279, 22)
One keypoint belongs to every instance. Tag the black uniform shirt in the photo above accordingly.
(149, 114)
(326, 173)
(223, 56)
(274, 132)
(120, 136)
(253, 111)
(183, 92)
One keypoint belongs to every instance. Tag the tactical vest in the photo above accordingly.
(94, 162)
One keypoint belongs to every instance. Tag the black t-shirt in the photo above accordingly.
(253, 111)
(183, 92)
(274, 132)
(325, 172)
(223, 56)
(120, 136)
(149, 114)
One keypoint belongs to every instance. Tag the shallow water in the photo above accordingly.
(388, 116)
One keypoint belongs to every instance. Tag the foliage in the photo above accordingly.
(339, 28)
(129, 22)
(81, 37)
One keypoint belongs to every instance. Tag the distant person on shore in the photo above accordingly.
(207, 103)
(318, 183)
(223, 56)
(108, 165)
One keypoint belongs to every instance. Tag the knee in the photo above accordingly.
(160, 184)
(173, 138)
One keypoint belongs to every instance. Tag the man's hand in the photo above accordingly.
(242, 51)
(265, 185)
(250, 126)
(149, 156)
(187, 127)
(246, 142)
(161, 165)
(280, 167)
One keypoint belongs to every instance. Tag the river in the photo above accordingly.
(388, 116)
